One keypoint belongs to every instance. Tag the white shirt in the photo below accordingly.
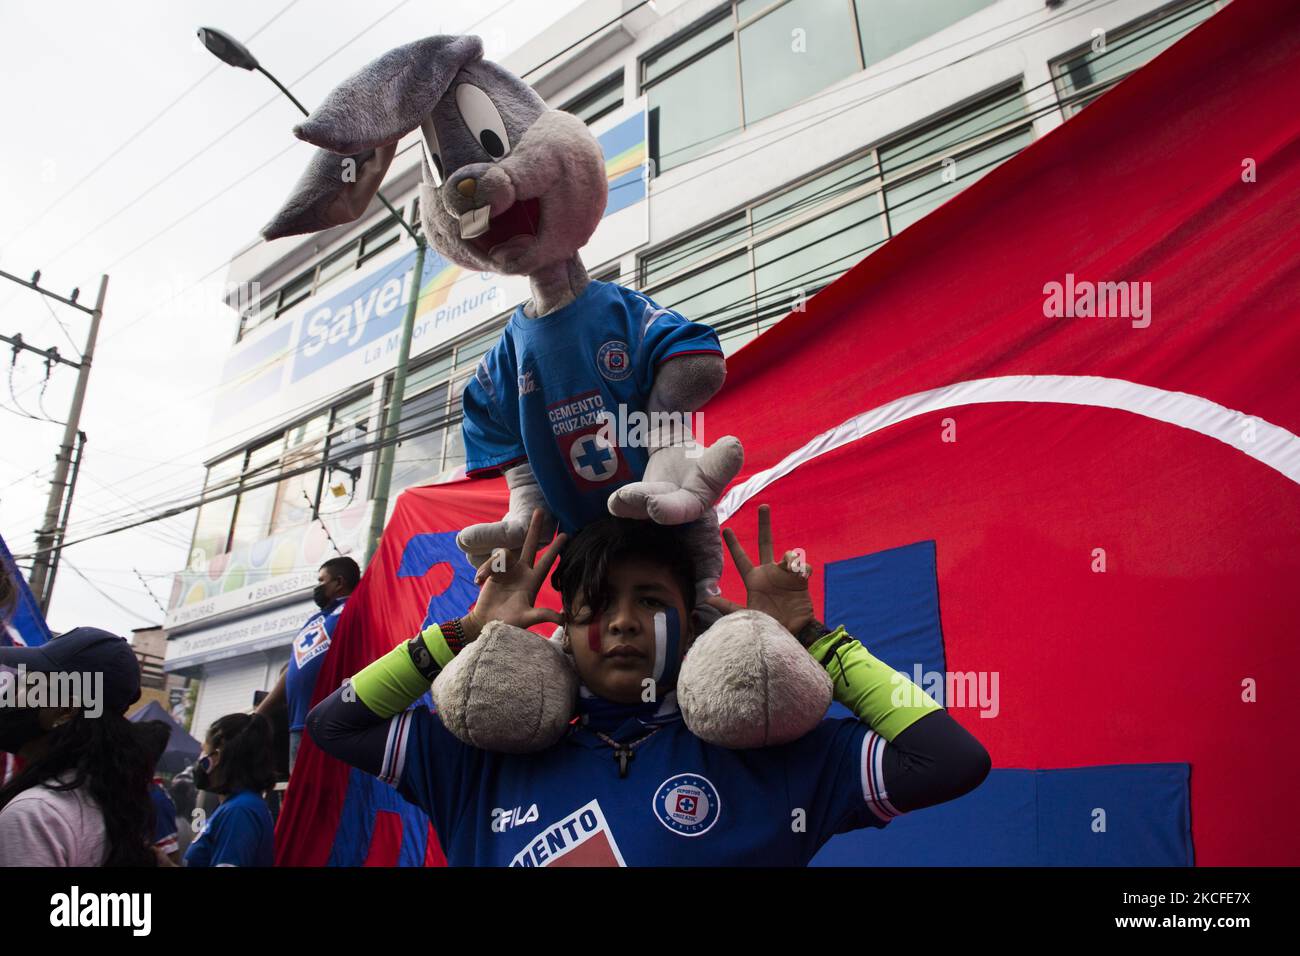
(46, 827)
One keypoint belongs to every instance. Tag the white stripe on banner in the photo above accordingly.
(1273, 445)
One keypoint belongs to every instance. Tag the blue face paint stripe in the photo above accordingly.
(668, 652)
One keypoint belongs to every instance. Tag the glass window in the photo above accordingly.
(455, 450)
(1086, 75)
(794, 51)
(825, 188)
(296, 495)
(720, 293)
(253, 515)
(599, 101)
(674, 55)
(811, 255)
(938, 141)
(468, 353)
(426, 375)
(913, 198)
(694, 109)
(349, 434)
(338, 263)
(295, 291)
(887, 26)
(419, 457)
(698, 247)
(212, 527)
(379, 237)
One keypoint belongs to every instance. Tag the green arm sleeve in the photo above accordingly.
(392, 683)
(878, 695)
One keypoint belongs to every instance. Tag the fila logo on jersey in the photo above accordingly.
(687, 804)
(312, 641)
(503, 820)
(613, 361)
(583, 838)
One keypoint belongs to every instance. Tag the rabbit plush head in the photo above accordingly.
(508, 185)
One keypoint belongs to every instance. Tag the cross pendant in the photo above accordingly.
(623, 755)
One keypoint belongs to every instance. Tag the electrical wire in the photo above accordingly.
(107, 597)
(138, 133)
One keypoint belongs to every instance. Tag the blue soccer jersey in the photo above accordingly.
(540, 393)
(239, 833)
(309, 649)
(164, 812)
(683, 802)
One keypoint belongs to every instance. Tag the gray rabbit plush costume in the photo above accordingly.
(512, 187)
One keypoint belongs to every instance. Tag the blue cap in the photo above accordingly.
(85, 650)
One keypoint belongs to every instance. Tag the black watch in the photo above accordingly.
(812, 632)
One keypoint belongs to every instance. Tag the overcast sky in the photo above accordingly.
(80, 80)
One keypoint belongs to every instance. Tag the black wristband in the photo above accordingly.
(422, 659)
(812, 632)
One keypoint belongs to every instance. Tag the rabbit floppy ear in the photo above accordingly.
(333, 190)
(358, 126)
(388, 98)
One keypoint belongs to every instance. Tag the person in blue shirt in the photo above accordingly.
(237, 764)
(336, 580)
(630, 784)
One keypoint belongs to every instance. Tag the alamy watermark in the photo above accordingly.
(83, 691)
(975, 689)
(632, 428)
(1104, 300)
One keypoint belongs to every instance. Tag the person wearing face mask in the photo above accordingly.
(629, 784)
(238, 765)
(337, 579)
(82, 796)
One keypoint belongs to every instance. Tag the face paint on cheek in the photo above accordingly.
(668, 647)
(593, 634)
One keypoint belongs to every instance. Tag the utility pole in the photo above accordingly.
(45, 561)
(62, 533)
(388, 436)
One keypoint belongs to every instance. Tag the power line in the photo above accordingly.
(108, 597)
(139, 132)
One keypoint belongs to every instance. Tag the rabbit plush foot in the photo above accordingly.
(510, 691)
(747, 682)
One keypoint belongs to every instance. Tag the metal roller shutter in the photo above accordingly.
(228, 688)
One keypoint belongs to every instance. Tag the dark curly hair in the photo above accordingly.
(114, 761)
(582, 574)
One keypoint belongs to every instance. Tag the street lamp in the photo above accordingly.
(229, 50)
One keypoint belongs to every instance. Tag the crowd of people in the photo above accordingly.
(87, 793)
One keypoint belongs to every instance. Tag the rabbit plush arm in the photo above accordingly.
(478, 541)
(682, 480)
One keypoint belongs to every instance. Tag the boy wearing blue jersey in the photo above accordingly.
(629, 784)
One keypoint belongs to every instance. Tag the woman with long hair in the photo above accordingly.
(82, 797)
(238, 764)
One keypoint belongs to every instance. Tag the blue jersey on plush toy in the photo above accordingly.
(309, 649)
(683, 802)
(539, 394)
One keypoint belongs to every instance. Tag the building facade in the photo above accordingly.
(755, 151)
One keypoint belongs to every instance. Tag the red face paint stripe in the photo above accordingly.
(593, 634)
